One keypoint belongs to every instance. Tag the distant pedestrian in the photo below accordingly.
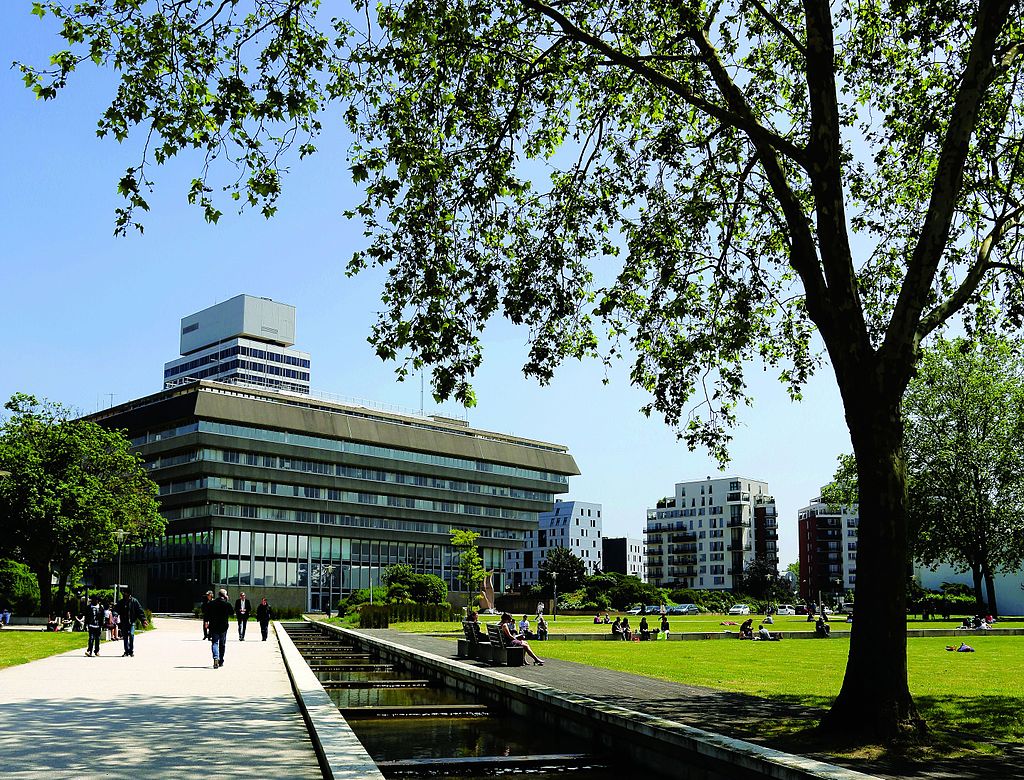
(5, 617)
(218, 614)
(243, 611)
(94, 624)
(130, 612)
(206, 603)
(540, 608)
(264, 614)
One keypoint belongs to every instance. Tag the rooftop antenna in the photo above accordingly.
(421, 391)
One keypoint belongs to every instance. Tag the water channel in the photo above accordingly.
(412, 728)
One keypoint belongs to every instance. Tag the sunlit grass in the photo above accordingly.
(20, 647)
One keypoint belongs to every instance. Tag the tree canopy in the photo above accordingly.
(471, 566)
(72, 485)
(693, 185)
(569, 570)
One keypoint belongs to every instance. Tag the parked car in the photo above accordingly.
(683, 609)
(847, 608)
(634, 611)
(739, 609)
(785, 609)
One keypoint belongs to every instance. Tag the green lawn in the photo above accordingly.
(969, 699)
(20, 647)
(581, 624)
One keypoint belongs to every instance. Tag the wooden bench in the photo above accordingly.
(473, 646)
(503, 651)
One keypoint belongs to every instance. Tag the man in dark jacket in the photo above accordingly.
(94, 624)
(218, 613)
(243, 611)
(263, 615)
(206, 603)
(130, 611)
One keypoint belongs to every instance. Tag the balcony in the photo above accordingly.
(737, 496)
(682, 548)
(739, 546)
(682, 560)
(682, 571)
(738, 522)
(678, 538)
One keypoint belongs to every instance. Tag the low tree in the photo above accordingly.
(570, 569)
(73, 485)
(19, 590)
(428, 589)
(762, 581)
(965, 426)
(471, 567)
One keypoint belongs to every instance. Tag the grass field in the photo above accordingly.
(970, 700)
(581, 624)
(20, 647)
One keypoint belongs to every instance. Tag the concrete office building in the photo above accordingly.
(625, 556)
(304, 500)
(244, 340)
(828, 549)
(575, 525)
(707, 533)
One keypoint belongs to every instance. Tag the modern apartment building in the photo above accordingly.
(575, 525)
(625, 556)
(303, 500)
(244, 340)
(709, 531)
(828, 549)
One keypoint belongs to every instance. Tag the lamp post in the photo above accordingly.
(554, 611)
(120, 533)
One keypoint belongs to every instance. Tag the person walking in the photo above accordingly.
(218, 612)
(94, 624)
(130, 611)
(206, 603)
(263, 615)
(243, 611)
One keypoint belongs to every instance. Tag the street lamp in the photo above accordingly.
(120, 533)
(554, 611)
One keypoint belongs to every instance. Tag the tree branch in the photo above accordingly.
(745, 122)
(983, 265)
(775, 22)
(905, 325)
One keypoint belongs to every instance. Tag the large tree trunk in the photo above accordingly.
(979, 599)
(875, 701)
(43, 577)
(990, 589)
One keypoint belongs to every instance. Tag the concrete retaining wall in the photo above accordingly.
(655, 743)
(341, 755)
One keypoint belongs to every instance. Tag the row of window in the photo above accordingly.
(351, 472)
(347, 496)
(327, 518)
(354, 448)
(222, 357)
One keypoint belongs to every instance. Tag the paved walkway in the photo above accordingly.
(733, 714)
(165, 713)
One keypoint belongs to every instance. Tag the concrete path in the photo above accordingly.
(165, 713)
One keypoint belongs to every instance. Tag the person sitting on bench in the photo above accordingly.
(822, 629)
(516, 640)
(475, 620)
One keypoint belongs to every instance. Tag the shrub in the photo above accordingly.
(19, 588)
(428, 589)
(375, 616)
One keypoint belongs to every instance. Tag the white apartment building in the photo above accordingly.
(705, 534)
(575, 525)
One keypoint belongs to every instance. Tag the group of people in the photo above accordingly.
(622, 630)
(512, 636)
(119, 621)
(762, 633)
(217, 613)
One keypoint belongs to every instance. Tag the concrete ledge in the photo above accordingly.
(648, 740)
(691, 636)
(341, 755)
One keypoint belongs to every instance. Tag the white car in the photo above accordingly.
(739, 609)
(785, 609)
(634, 611)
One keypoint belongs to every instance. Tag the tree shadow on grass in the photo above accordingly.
(968, 736)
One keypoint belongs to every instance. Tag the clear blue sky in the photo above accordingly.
(88, 315)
